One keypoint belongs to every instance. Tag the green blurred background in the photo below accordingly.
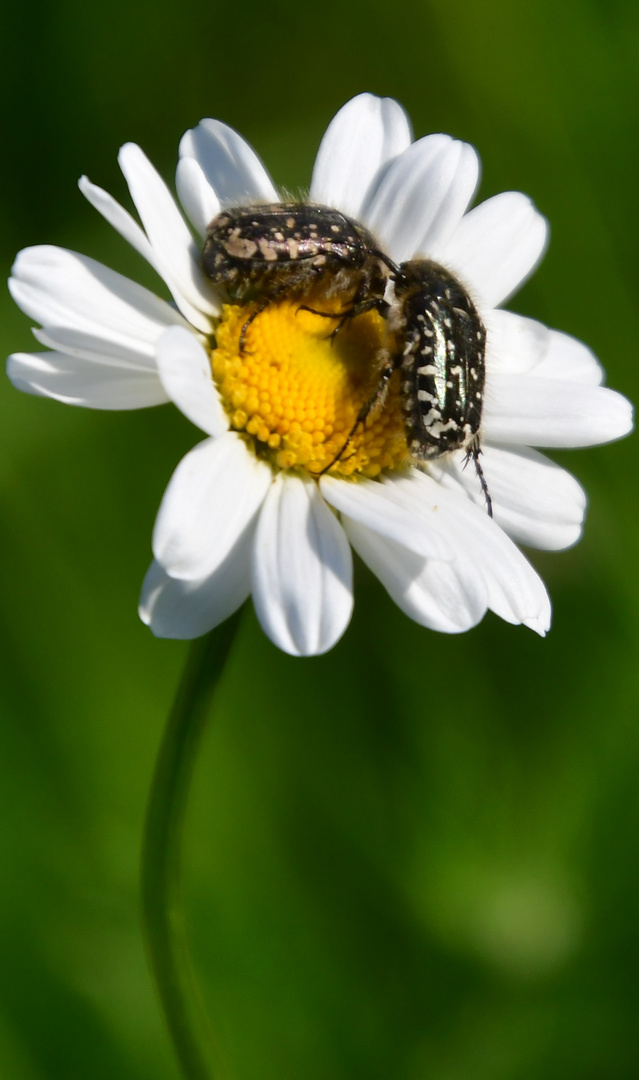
(386, 880)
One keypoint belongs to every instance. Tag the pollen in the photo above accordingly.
(295, 389)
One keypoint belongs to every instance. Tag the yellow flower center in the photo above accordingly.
(297, 391)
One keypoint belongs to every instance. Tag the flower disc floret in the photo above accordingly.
(297, 390)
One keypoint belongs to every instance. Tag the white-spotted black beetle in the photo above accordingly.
(441, 353)
(263, 252)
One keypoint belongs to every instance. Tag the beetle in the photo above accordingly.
(440, 350)
(442, 359)
(263, 252)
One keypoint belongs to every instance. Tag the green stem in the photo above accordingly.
(183, 1008)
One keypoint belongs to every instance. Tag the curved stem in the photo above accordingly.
(161, 855)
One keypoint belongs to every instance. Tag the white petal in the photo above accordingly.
(94, 349)
(177, 254)
(449, 597)
(122, 222)
(515, 591)
(518, 345)
(119, 218)
(497, 246)
(173, 608)
(76, 381)
(230, 166)
(185, 370)
(302, 569)
(515, 344)
(196, 194)
(360, 141)
(423, 196)
(549, 412)
(374, 506)
(570, 360)
(67, 292)
(534, 501)
(211, 498)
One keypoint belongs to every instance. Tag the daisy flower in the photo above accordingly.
(267, 504)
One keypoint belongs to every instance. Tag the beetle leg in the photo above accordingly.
(350, 313)
(375, 400)
(258, 311)
(474, 451)
(360, 308)
(324, 314)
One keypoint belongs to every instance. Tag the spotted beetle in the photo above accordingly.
(441, 356)
(283, 249)
(440, 346)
